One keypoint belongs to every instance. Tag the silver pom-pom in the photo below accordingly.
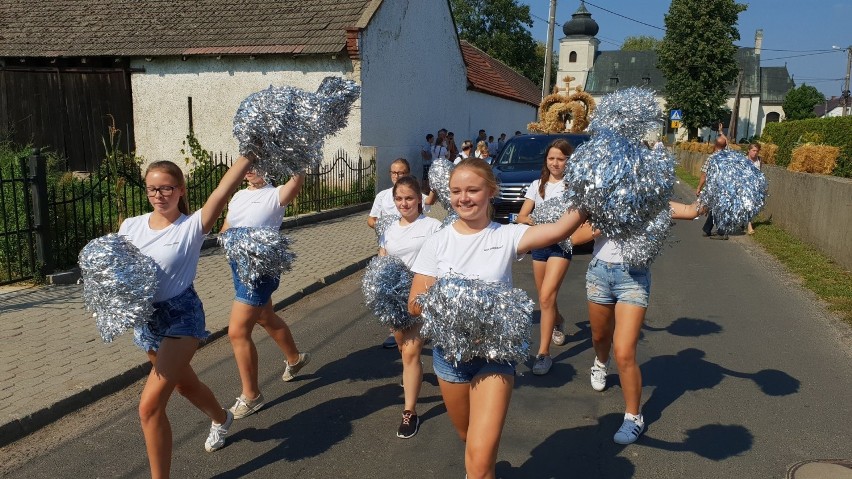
(631, 112)
(439, 180)
(642, 249)
(384, 222)
(386, 285)
(283, 128)
(550, 211)
(470, 318)
(257, 252)
(734, 191)
(451, 218)
(119, 283)
(619, 183)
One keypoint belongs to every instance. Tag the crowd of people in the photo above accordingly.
(443, 145)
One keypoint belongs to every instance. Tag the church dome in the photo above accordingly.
(581, 23)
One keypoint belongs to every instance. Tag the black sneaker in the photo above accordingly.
(409, 425)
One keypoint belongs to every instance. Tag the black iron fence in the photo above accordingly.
(47, 219)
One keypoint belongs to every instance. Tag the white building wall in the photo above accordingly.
(414, 82)
(586, 50)
(217, 86)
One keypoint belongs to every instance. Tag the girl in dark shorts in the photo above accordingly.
(551, 262)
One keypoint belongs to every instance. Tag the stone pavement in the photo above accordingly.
(52, 360)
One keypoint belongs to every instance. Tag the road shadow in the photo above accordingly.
(688, 327)
(588, 452)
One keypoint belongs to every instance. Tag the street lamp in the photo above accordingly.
(845, 93)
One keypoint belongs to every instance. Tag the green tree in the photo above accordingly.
(799, 102)
(500, 28)
(698, 57)
(640, 43)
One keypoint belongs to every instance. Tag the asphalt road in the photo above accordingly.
(745, 374)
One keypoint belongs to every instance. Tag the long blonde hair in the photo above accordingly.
(174, 170)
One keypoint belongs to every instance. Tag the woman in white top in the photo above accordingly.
(482, 152)
(753, 152)
(403, 239)
(259, 205)
(618, 296)
(550, 263)
(477, 392)
(173, 238)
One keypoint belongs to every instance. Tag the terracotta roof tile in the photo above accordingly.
(38, 28)
(491, 76)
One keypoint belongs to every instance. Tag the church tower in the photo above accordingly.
(577, 50)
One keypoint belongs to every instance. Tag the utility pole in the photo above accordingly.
(548, 52)
(735, 111)
(846, 85)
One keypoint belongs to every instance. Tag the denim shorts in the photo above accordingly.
(543, 254)
(610, 283)
(177, 317)
(465, 371)
(257, 295)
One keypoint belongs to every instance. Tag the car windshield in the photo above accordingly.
(529, 150)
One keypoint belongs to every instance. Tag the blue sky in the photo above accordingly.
(795, 26)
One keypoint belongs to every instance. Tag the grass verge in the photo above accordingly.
(819, 273)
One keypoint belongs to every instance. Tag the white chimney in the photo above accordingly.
(758, 41)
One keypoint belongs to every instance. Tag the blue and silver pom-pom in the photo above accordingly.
(119, 283)
(550, 211)
(383, 223)
(734, 190)
(642, 249)
(631, 112)
(386, 285)
(283, 128)
(439, 180)
(470, 318)
(257, 252)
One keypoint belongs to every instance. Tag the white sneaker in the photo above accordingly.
(216, 439)
(630, 430)
(246, 407)
(558, 336)
(291, 370)
(599, 370)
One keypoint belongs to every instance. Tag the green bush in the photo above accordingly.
(835, 131)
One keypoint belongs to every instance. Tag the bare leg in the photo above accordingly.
(548, 279)
(602, 321)
(240, 326)
(457, 400)
(279, 332)
(410, 345)
(628, 323)
(489, 404)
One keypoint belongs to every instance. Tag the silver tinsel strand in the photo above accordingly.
(631, 112)
(642, 249)
(383, 223)
(439, 180)
(284, 127)
(735, 190)
(257, 252)
(119, 283)
(549, 212)
(451, 218)
(620, 183)
(386, 285)
(471, 318)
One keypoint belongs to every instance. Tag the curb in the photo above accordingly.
(21, 427)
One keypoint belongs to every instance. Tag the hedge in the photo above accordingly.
(835, 131)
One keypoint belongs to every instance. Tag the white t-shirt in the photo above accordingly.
(427, 148)
(439, 151)
(405, 241)
(486, 255)
(607, 250)
(551, 190)
(254, 208)
(384, 205)
(175, 249)
(493, 148)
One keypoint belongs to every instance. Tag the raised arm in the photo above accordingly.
(431, 198)
(291, 189)
(542, 235)
(524, 214)
(419, 285)
(219, 198)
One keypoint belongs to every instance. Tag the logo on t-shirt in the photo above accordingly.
(493, 247)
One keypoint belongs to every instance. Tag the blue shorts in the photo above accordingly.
(543, 254)
(257, 295)
(177, 317)
(464, 372)
(610, 283)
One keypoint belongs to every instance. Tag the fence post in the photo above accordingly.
(41, 221)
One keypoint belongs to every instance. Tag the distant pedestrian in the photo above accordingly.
(720, 144)
(482, 152)
(403, 239)
(466, 152)
(518, 133)
(426, 157)
(172, 237)
(452, 149)
(753, 155)
(501, 141)
(260, 205)
(550, 264)
(492, 147)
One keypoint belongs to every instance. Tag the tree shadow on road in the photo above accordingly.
(688, 327)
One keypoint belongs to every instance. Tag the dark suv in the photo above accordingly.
(517, 165)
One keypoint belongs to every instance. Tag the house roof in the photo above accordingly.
(830, 104)
(491, 76)
(57, 28)
(774, 85)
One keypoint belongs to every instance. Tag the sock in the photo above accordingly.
(599, 363)
(637, 418)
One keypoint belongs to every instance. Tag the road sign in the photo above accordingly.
(675, 124)
(676, 115)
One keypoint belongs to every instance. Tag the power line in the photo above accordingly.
(628, 18)
(796, 56)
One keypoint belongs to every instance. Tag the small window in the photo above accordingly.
(572, 57)
(773, 117)
(613, 81)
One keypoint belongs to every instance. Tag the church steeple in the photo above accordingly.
(581, 23)
(579, 47)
